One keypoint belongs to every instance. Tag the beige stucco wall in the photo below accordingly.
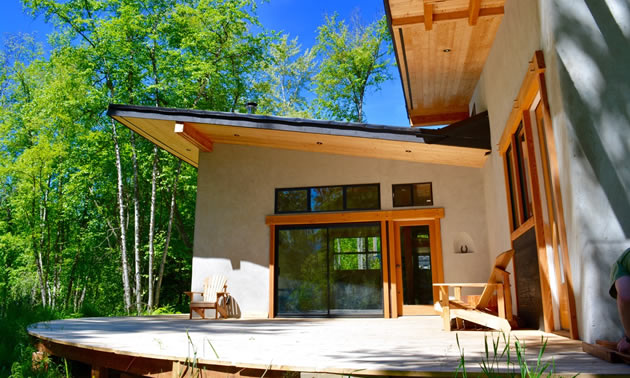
(236, 192)
(586, 48)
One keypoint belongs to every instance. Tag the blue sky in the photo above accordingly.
(298, 18)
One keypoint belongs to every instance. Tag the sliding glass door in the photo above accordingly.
(329, 270)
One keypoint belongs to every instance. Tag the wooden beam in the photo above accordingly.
(193, 135)
(355, 216)
(474, 6)
(428, 16)
(437, 119)
(447, 16)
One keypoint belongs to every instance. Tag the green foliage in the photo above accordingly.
(15, 347)
(354, 60)
(285, 79)
(494, 356)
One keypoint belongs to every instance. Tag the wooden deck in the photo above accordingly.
(404, 346)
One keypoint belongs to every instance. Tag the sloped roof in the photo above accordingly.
(186, 132)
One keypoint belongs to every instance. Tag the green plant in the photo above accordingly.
(494, 355)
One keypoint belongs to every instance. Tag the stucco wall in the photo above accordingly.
(586, 44)
(236, 191)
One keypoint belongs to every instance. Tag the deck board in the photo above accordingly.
(403, 346)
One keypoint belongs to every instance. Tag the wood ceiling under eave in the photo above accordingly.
(186, 140)
(441, 47)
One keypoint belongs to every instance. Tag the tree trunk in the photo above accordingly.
(168, 234)
(123, 232)
(153, 178)
(136, 225)
(152, 225)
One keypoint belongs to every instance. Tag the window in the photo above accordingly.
(420, 194)
(518, 177)
(328, 198)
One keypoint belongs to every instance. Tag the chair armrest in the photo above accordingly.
(192, 293)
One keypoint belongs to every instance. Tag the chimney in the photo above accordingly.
(251, 107)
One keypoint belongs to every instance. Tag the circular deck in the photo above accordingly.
(403, 346)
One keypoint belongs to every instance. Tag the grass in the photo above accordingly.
(16, 350)
(516, 365)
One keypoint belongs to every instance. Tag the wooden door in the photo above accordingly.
(418, 266)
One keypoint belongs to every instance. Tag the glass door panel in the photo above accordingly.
(417, 275)
(329, 270)
(302, 273)
(356, 284)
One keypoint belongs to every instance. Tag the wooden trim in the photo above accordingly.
(400, 300)
(543, 265)
(393, 287)
(446, 16)
(390, 221)
(523, 228)
(437, 119)
(532, 85)
(527, 93)
(474, 6)
(272, 270)
(428, 16)
(385, 269)
(557, 193)
(192, 135)
(355, 216)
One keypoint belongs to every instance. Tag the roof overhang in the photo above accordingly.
(186, 133)
(441, 47)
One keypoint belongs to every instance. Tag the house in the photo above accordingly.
(318, 218)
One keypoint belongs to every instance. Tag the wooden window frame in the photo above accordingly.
(532, 89)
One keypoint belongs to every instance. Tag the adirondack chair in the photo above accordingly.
(480, 311)
(214, 296)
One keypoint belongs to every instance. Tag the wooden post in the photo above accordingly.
(393, 287)
(458, 297)
(272, 269)
(385, 269)
(446, 313)
(500, 300)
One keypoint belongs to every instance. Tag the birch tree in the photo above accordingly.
(354, 59)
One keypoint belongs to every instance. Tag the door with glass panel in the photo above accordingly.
(418, 267)
(329, 270)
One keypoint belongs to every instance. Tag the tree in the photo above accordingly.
(285, 78)
(354, 60)
(176, 53)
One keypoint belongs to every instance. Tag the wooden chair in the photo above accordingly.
(214, 296)
(481, 311)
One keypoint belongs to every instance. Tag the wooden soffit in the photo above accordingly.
(441, 47)
(186, 136)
